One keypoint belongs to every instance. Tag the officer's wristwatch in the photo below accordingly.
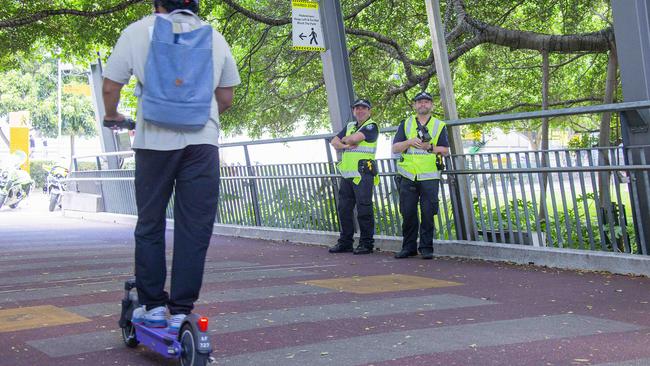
(430, 150)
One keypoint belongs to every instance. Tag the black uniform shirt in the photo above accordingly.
(370, 131)
(400, 135)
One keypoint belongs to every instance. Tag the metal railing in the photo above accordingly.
(581, 199)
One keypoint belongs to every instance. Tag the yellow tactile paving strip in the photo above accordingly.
(36, 317)
(377, 284)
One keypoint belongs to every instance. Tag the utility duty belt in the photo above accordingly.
(440, 162)
(368, 166)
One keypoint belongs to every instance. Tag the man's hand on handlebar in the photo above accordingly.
(118, 121)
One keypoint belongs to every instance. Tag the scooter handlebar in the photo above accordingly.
(127, 123)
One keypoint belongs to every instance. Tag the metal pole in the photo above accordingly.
(58, 98)
(336, 64)
(253, 187)
(632, 31)
(106, 135)
(464, 218)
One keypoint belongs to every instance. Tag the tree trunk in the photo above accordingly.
(544, 135)
(605, 131)
(531, 136)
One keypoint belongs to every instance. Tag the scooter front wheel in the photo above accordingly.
(128, 335)
(189, 354)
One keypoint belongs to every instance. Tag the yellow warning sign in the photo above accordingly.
(304, 4)
(19, 140)
(77, 89)
(385, 283)
(35, 317)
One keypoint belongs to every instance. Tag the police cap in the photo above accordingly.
(362, 102)
(422, 95)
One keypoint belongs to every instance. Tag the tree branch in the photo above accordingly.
(516, 39)
(257, 17)
(359, 9)
(19, 22)
(537, 105)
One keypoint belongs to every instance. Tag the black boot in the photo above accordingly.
(405, 254)
(341, 248)
(426, 253)
(362, 249)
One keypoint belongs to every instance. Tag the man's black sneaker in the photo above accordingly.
(340, 248)
(362, 250)
(427, 255)
(405, 254)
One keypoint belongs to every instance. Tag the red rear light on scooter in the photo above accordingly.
(203, 324)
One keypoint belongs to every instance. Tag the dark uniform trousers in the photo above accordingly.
(411, 193)
(351, 194)
(193, 174)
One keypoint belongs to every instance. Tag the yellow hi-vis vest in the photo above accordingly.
(417, 164)
(349, 165)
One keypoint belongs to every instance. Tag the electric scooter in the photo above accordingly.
(191, 346)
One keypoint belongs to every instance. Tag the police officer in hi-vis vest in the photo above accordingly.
(358, 168)
(419, 139)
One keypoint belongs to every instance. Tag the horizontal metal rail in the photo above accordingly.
(448, 172)
(592, 109)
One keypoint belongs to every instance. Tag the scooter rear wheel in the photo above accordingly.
(189, 354)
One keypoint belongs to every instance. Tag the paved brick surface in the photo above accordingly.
(274, 303)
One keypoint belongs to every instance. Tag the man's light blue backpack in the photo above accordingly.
(179, 87)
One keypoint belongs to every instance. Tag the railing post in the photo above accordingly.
(253, 187)
(335, 184)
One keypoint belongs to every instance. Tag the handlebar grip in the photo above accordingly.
(127, 123)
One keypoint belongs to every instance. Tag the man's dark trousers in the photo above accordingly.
(193, 174)
(351, 194)
(411, 193)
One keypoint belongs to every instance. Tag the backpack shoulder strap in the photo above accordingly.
(186, 12)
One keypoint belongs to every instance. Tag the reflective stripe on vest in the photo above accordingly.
(349, 165)
(404, 173)
(360, 149)
(414, 151)
(349, 174)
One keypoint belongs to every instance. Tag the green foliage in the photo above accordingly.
(283, 89)
(78, 116)
(582, 141)
(39, 169)
(33, 87)
(567, 229)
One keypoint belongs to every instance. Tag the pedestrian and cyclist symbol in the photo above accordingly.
(313, 37)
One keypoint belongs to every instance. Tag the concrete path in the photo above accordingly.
(274, 303)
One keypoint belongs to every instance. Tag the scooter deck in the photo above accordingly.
(158, 340)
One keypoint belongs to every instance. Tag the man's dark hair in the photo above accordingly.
(171, 5)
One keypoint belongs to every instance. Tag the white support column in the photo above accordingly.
(464, 219)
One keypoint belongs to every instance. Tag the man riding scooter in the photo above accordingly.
(177, 129)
